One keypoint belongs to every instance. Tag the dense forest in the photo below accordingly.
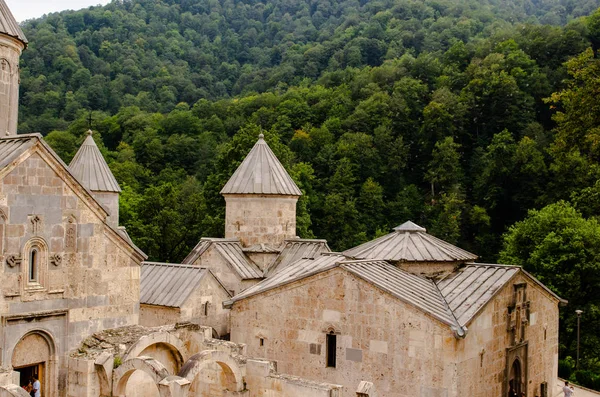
(479, 120)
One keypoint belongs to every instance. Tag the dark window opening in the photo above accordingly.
(262, 342)
(206, 308)
(331, 349)
(33, 265)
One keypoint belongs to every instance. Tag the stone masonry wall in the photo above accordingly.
(258, 219)
(209, 291)
(380, 339)
(10, 52)
(155, 316)
(482, 354)
(110, 201)
(212, 260)
(88, 277)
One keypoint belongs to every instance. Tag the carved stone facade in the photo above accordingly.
(66, 273)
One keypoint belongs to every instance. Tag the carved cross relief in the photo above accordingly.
(71, 235)
(36, 224)
(518, 314)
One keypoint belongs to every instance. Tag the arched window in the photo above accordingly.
(34, 268)
(34, 265)
(331, 342)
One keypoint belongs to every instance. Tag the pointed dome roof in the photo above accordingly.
(9, 25)
(261, 173)
(90, 168)
(410, 243)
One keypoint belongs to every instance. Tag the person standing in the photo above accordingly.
(568, 390)
(36, 387)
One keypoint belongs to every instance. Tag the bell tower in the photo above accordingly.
(12, 43)
(260, 200)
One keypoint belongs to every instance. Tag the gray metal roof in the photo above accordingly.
(12, 147)
(410, 243)
(300, 269)
(9, 25)
(261, 173)
(454, 300)
(91, 169)
(469, 289)
(168, 284)
(231, 251)
(296, 249)
(412, 289)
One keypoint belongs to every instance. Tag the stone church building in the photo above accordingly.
(258, 312)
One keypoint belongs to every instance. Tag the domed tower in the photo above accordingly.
(12, 43)
(260, 200)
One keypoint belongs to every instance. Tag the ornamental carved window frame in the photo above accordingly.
(39, 246)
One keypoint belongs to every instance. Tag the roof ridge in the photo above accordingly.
(460, 331)
(179, 265)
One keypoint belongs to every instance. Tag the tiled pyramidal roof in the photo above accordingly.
(9, 25)
(90, 168)
(410, 243)
(261, 173)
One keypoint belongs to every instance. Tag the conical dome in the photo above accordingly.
(410, 243)
(261, 173)
(90, 168)
(9, 25)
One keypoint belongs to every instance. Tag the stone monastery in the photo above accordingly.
(260, 312)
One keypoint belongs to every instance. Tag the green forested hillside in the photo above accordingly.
(460, 115)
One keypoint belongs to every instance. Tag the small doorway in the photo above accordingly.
(514, 382)
(26, 373)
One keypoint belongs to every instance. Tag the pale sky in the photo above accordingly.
(28, 9)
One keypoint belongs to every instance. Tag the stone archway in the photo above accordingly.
(232, 373)
(154, 369)
(515, 380)
(35, 353)
(164, 347)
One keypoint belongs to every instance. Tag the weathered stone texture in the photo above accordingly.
(482, 354)
(208, 292)
(397, 347)
(10, 52)
(110, 201)
(260, 219)
(379, 338)
(87, 275)
(212, 260)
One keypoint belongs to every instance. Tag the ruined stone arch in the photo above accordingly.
(161, 340)
(148, 365)
(231, 369)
